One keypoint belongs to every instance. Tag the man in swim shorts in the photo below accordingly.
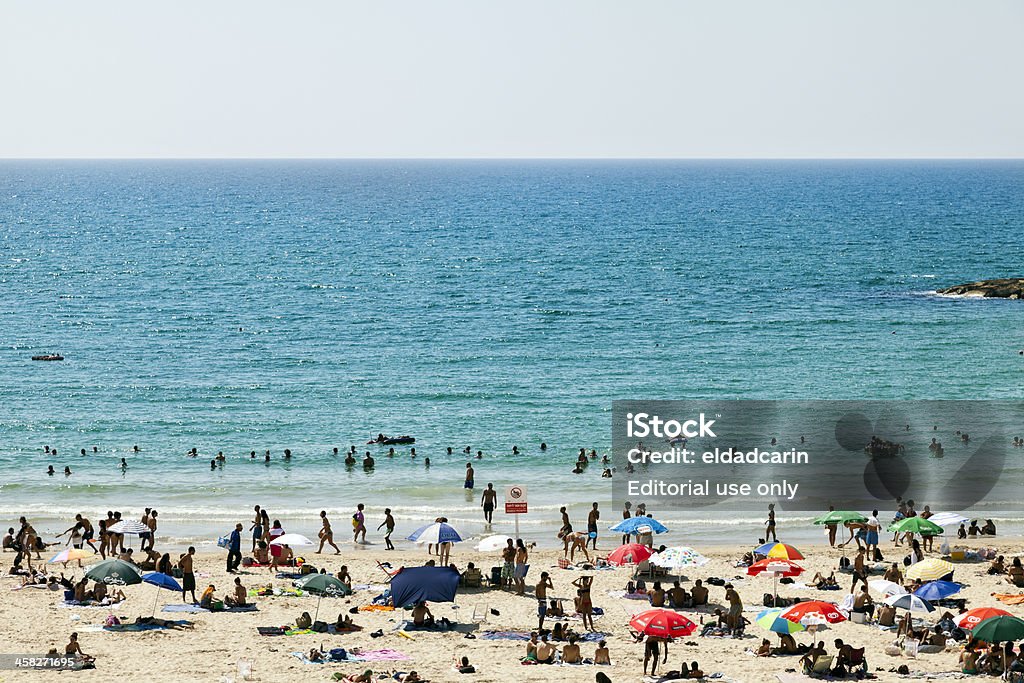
(488, 501)
(469, 476)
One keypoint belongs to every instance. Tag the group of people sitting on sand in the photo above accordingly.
(1013, 573)
(847, 660)
(540, 650)
(992, 659)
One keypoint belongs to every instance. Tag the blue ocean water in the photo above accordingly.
(236, 306)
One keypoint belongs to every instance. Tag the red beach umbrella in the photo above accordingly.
(776, 566)
(631, 553)
(662, 622)
(826, 610)
(973, 617)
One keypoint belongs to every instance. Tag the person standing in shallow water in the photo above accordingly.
(389, 528)
(488, 501)
(359, 525)
(469, 477)
(770, 524)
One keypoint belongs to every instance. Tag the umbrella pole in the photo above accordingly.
(156, 600)
(318, 607)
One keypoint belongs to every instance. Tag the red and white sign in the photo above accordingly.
(515, 500)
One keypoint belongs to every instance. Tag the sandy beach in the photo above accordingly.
(33, 620)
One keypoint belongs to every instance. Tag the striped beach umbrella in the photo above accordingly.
(128, 526)
(910, 602)
(931, 570)
(973, 617)
(631, 553)
(678, 557)
(71, 554)
(771, 620)
(435, 533)
(662, 622)
(778, 551)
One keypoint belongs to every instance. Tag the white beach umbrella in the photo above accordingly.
(887, 588)
(910, 602)
(292, 540)
(492, 543)
(127, 526)
(948, 519)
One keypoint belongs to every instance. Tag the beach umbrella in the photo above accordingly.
(492, 543)
(973, 617)
(887, 587)
(769, 619)
(915, 525)
(435, 534)
(662, 623)
(931, 570)
(422, 584)
(910, 602)
(114, 572)
(70, 554)
(937, 590)
(947, 519)
(291, 540)
(161, 580)
(128, 526)
(778, 551)
(324, 585)
(777, 568)
(840, 517)
(825, 610)
(999, 629)
(633, 524)
(678, 557)
(631, 553)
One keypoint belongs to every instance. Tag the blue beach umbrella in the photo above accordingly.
(161, 580)
(631, 525)
(424, 584)
(435, 533)
(937, 590)
(771, 620)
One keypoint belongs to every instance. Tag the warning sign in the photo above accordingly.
(515, 500)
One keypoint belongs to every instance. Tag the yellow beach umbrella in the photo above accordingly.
(930, 570)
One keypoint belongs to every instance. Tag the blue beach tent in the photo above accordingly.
(424, 584)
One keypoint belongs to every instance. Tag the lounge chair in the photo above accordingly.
(821, 667)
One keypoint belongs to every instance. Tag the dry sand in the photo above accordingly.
(31, 621)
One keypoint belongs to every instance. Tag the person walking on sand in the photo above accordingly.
(188, 575)
(770, 524)
(469, 477)
(359, 525)
(326, 534)
(235, 549)
(488, 501)
(592, 518)
(626, 514)
(389, 527)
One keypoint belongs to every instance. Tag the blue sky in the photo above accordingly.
(439, 78)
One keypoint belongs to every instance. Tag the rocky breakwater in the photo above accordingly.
(1002, 288)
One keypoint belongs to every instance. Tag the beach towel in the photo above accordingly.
(271, 630)
(505, 635)
(196, 609)
(291, 575)
(628, 596)
(132, 628)
(304, 658)
(384, 655)
(376, 608)
(1009, 599)
(71, 604)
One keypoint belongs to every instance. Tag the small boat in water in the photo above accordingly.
(49, 356)
(385, 440)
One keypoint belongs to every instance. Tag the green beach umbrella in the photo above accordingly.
(323, 585)
(916, 525)
(840, 517)
(999, 629)
(770, 619)
(115, 573)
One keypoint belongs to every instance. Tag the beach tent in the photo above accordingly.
(424, 584)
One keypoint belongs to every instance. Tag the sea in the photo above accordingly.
(239, 306)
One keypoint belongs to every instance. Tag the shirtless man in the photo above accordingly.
(508, 563)
(468, 483)
(188, 576)
(541, 593)
(735, 617)
(566, 524)
(592, 518)
(389, 527)
(488, 501)
(152, 529)
(863, 602)
(326, 534)
(677, 596)
(699, 593)
(545, 651)
(571, 652)
(421, 616)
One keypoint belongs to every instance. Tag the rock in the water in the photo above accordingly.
(1002, 288)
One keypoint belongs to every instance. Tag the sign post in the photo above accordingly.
(515, 503)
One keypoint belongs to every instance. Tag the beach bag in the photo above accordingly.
(217, 606)
(304, 621)
(223, 542)
(320, 626)
(878, 555)
(338, 654)
(844, 562)
(177, 573)
(308, 569)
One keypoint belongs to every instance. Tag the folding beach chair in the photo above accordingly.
(390, 573)
(480, 612)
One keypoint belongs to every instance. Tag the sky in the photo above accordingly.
(530, 78)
